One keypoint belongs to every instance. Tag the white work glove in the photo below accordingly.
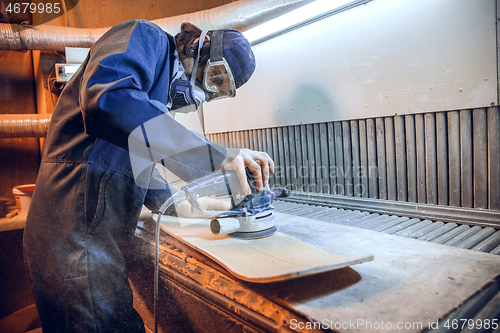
(258, 162)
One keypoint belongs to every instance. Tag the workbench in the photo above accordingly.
(410, 285)
(13, 223)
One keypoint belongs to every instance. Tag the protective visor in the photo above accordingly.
(217, 77)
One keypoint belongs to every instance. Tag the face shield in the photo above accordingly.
(217, 77)
(185, 95)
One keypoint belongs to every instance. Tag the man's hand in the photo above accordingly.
(258, 162)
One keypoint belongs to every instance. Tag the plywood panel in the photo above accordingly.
(430, 158)
(356, 164)
(311, 158)
(466, 158)
(278, 144)
(420, 150)
(346, 140)
(317, 158)
(286, 155)
(390, 159)
(270, 151)
(371, 137)
(480, 137)
(411, 157)
(494, 158)
(401, 172)
(445, 158)
(305, 157)
(237, 136)
(324, 166)
(381, 159)
(339, 158)
(442, 158)
(363, 154)
(298, 154)
(331, 158)
(454, 157)
(260, 140)
(293, 158)
(247, 139)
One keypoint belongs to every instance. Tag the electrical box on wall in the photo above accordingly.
(64, 72)
(74, 57)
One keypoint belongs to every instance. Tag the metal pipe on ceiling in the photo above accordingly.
(236, 15)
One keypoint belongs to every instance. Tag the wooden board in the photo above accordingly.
(275, 258)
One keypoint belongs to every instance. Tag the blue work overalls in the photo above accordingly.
(86, 202)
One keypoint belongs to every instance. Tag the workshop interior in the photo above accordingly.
(382, 119)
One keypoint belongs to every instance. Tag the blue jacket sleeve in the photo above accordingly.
(125, 85)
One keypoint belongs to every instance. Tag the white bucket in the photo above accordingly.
(23, 194)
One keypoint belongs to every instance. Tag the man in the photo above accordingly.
(87, 199)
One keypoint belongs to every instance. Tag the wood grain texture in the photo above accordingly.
(356, 164)
(371, 137)
(430, 158)
(454, 157)
(480, 139)
(442, 158)
(411, 157)
(339, 159)
(275, 258)
(420, 151)
(494, 158)
(331, 158)
(466, 158)
(324, 166)
(346, 139)
(401, 171)
(363, 157)
(381, 161)
(390, 151)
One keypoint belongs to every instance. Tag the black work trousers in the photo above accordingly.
(81, 221)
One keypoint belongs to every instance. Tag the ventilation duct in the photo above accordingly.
(24, 125)
(237, 15)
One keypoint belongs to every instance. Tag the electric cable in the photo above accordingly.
(166, 208)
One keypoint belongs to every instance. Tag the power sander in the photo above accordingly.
(250, 216)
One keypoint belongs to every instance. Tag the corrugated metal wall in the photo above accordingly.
(446, 158)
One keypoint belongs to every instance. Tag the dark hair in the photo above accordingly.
(187, 38)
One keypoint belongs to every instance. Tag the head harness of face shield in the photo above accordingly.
(218, 80)
(186, 95)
